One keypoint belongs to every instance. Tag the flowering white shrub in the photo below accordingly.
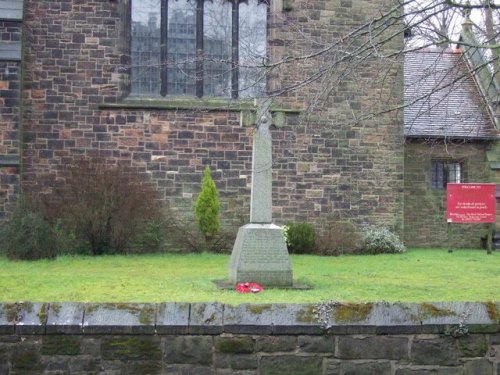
(377, 240)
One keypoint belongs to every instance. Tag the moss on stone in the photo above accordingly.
(61, 345)
(428, 310)
(27, 306)
(492, 310)
(484, 328)
(307, 315)
(258, 309)
(10, 310)
(353, 312)
(56, 308)
(147, 315)
(42, 314)
(240, 345)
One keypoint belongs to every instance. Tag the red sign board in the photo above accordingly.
(470, 203)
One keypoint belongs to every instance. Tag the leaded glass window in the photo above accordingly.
(444, 172)
(198, 47)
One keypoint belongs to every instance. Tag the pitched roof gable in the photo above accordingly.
(442, 99)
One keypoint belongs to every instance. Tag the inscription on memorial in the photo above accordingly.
(261, 248)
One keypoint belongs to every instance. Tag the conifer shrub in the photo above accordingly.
(300, 238)
(207, 207)
(28, 235)
(378, 240)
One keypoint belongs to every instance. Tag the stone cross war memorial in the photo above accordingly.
(260, 253)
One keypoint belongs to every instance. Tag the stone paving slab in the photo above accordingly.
(65, 318)
(206, 318)
(274, 319)
(119, 318)
(173, 318)
(248, 318)
(295, 319)
(31, 318)
(8, 318)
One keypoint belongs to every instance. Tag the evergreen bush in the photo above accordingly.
(300, 238)
(207, 207)
(28, 235)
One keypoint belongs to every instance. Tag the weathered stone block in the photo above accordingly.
(31, 317)
(188, 370)
(173, 318)
(114, 318)
(235, 344)
(295, 319)
(434, 351)
(26, 359)
(65, 318)
(473, 346)
(54, 365)
(248, 318)
(82, 365)
(478, 366)
(131, 348)
(316, 344)
(188, 350)
(61, 345)
(142, 367)
(233, 362)
(271, 344)
(366, 368)
(333, 367)
(206, 318)
(8, 317)
(426, 370)
(290, 365)
(373, 347)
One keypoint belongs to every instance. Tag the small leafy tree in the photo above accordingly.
(208, 206)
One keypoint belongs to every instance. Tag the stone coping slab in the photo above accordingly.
(25, 318)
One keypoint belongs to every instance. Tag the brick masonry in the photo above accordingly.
(425, 208)
(10, 75)
(179, 338)
(332, 160)
(76, 64)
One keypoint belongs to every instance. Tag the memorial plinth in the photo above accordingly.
(260, 254)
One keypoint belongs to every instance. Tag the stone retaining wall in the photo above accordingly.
(181, 338)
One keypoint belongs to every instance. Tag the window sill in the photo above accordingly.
(247, 107)
(211, 104)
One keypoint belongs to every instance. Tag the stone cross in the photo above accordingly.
(260, 253)
(262, 174)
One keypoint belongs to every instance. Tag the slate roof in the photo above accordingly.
(442, 99)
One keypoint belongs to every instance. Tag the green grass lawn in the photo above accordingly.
(416, 276)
